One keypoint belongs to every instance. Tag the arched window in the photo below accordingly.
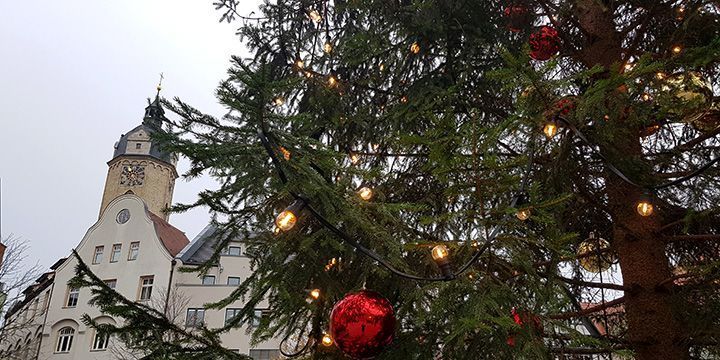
(101, 340)
(65, 338)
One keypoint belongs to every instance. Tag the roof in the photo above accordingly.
(201, 248)
(152, 124)
(173, 239)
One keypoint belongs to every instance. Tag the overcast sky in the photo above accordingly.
(74, 76)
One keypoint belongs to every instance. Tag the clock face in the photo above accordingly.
(123, 216)
(132, 175)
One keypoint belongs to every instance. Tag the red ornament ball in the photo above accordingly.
(544, 43)
(517, 15)
(362, 324)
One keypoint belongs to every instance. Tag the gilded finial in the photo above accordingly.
(159, 87)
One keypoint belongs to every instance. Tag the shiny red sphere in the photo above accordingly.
(362, 324)
(544, 43)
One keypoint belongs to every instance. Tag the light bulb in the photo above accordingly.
(278, 101)
(315, 294)
(645, 97)
(660, 75)
(327, 47)
(276, 230)
(331, 263)
(404, 99)
(332, 81)
(354, 158)
(365, 193)
(677, 49)
(314, 15)
(327, 340)
(286, 220)
(415, 48)
(381, 66)
(285, 152)
(299, 63)
(523, 214)
(644, 207)
(629, 66)
(550, 129)
(440, 253)
(680, 13)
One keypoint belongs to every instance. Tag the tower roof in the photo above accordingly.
(151, 124)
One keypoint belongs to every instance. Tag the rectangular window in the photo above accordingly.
(146, 285)
(72, 299)
(134, 250)
(208, 280)
(138, 145)
(233, 280)
(231, 314)
(111, 283)
(233, 251)
(264, 354)
(98, 254)
(115, 254)
(101, 341)
(258, 315)
(195, 317)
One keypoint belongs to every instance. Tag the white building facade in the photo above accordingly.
(138, 253)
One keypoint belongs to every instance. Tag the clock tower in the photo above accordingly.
(141, 167)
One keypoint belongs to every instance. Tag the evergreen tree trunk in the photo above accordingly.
(653, 330)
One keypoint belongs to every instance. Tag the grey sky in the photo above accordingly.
(74, 76)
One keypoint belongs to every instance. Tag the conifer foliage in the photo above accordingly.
(438, 108)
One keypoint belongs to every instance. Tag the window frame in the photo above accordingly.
(113, 253)
(143, 286)
(214, 278)
(235, 311)
(234, 277)
(228, 253)
(95, 260)
(257, 320)
(105, 341)
(136, 244)
(195, 323)
(67, 345)
(108, 281)
(70, 292)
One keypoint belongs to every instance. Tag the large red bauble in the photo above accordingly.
(544, 43)
(362, 324)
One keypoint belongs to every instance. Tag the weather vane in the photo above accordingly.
(159, 87)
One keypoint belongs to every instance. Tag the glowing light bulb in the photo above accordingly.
(415, 47)
(314, 15)
(354, 158)
(299, 63)
(680, 13)
(677, 49)
(285, 152)
(523, 214)
(381, 66)
(440, 253)
(629, 66)
(331, 263)
(404, 99)
(286, 220)
(278, 101)
(327, 47)
(332, 81)
(365, 193)
(315, 294)
(276, 230)
(327, 340)
(645, 97)
(550, 129)
(644, 208)
(660, 75)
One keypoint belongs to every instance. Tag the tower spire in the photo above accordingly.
(159, 86)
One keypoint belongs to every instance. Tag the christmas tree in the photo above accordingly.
(517, 179)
